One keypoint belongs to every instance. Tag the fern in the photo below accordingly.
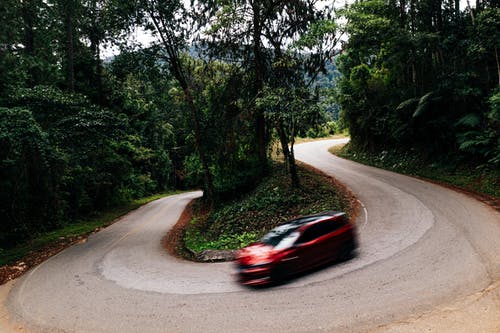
(407, 104)
(473, 142)
(469, 120)
(423, 103)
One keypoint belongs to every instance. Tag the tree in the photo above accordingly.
(487, 26)
(264, 36)
(288, 110)
(67, 11)
(27, 186)
(170, 21)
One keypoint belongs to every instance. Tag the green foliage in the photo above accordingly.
(487, 28)
(322, 131)
(423, 105)
(66, 158)
(28, 201)
(194, 240)
(448, 169)
(419, 77)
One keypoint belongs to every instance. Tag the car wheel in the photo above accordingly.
(278, 275)
(348, 251)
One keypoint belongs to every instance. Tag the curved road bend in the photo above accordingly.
(421, 246)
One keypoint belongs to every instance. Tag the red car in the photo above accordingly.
(296, 246)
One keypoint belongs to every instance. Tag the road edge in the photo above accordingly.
(478, 312)
(6, 325)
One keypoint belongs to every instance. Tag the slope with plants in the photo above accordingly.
(242, 220)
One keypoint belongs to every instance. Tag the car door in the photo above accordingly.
(332, 241)
(341, 239)
(308, 249)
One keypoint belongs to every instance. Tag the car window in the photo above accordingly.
(275, 236)
(318, 230)
(287, 241)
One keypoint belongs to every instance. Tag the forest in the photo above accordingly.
(223, 83)
(423, 75)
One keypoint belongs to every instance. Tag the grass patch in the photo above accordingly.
(243, 220)
(71, 232)
(480, 180)
(329, 137)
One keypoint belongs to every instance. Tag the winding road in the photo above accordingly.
(422, 248)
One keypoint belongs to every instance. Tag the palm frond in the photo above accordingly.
(469, 120)
(423, 104)
(407, 104)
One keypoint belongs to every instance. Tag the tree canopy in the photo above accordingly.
(422, 75)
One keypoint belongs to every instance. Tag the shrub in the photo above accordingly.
(28, 177)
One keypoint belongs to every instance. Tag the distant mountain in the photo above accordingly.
(327, 80)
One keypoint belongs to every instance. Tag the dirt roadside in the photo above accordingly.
(6, 325)
(476, 313)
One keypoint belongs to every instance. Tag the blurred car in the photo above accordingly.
(296, 246)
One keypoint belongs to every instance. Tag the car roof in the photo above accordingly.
(297, 223)
(304, 220)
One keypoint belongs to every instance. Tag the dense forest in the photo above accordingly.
(423, 76)
(224, 83)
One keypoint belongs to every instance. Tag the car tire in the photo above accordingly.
(278, 275)
(348, 252)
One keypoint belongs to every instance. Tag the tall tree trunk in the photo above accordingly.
(498, 64)
(207, 175)
(472, 12)
(28, 20)
(95, 45)
(402, 13)
(293, 169)
(288, 155)
(98, 75)
(439, 16)
(28, 13)
(176, 68)
(258, 84)
(70, 55)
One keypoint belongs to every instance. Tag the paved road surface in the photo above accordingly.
(421, 247)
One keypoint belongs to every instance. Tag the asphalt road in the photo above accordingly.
(421, 246)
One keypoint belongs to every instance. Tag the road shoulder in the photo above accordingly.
(479, 313)
(6, 325)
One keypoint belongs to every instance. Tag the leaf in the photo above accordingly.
(423, 104)
(406, 104)
(469, 120)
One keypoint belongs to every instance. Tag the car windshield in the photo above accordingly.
(279, 234)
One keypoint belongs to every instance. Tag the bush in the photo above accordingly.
(327, 129)
(28, 177)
